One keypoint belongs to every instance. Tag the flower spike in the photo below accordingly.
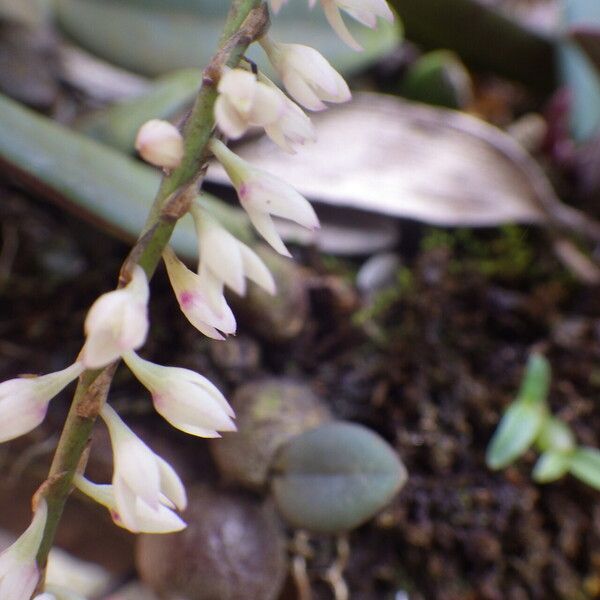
(19, 573)
(184, 398)
(24, 401)
(117, 322)
(262, 195)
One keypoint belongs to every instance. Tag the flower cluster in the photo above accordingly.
(146, 493)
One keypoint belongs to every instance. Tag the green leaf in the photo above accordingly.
(438, 78)
(585, 465)
(334, 478)
(536, 381)
(154, 36)
(577, 71)
(556, 435)
(551, 465)
(102, 184)
(118, 125)
(518, 428)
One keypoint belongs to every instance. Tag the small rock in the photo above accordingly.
(232, 549)
(378, 273)
(279, 318)
(269, 413)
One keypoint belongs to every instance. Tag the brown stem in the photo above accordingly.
(247, 21)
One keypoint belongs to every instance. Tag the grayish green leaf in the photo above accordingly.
(94, 180)
(556, 435)
(154, 37)
(578, 72)
(585, 465)
(118, 125)
(551, 465)
(536, 381)
(518, 429)
(335, 477)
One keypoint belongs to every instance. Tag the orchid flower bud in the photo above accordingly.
(140, 475)
(117, 322)
(244, 102)
(24, 401)
(160, 144)
(226, 257)
(201, 299)
(19, 573)
(364, 11)
(146, 519)
(306, 74)
(184, 398)
(262, 195)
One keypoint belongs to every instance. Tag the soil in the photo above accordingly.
(430, 364)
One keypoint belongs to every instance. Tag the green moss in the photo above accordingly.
(383, 300)
(505, 253)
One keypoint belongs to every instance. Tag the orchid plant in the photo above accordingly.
(146, 494)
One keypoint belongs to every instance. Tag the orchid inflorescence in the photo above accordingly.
(146, 493)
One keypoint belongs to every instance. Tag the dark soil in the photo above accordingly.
(430, 365)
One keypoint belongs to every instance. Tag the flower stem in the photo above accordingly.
(247, 21)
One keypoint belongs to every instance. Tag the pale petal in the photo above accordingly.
(204, 418)
(125, 513)
(239, 87)
(19, 583)
(219, 251)
(256, 270)
(171, 485)
(19, 412)
(183, 397)
(228, 119)
(136, 468)
(24, 401)
(270, 194)
(337, 23)
(306, 74)
(268, 106)
(266, 228)
(364, 17)
(162, 520)
(200, 298)
(18, 569)
(276, 133)
(301, 91)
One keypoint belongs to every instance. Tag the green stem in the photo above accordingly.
(247, 21)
